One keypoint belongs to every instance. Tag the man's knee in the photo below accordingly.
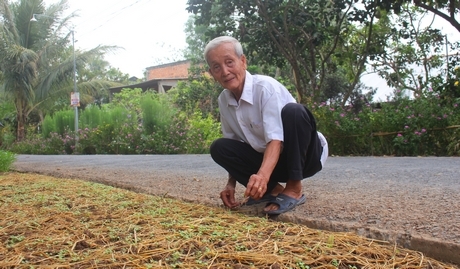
(293, 111)
(291, 108)
(215, 147)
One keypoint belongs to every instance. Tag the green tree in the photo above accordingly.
(196, 40)
(36, 60)
(446, 9)
(305, 35)
(415, 54)
(98, 71)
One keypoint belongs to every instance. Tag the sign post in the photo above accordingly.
(75, 99)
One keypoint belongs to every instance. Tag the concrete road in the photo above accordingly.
(413, 201)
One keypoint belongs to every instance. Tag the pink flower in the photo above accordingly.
(399, 135)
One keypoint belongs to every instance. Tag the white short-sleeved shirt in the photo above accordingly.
(256, 118)
(325, 146)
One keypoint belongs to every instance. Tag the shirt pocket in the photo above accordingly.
(257, 125)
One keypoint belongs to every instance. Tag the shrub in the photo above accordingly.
(36, 144)
(406, 127)
(201, 133)
(61, 122)
(157, 114)
(64, 120)
(6, 160)
(90, 117)
(48, 126)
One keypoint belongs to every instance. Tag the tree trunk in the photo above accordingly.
(21, 118)
(21, 134)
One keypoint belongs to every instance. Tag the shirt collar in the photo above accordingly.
(247, 92)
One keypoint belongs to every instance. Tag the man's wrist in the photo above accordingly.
(263, 175)
(231, 182)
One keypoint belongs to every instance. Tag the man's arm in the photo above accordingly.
(257, 184)
(231, 183)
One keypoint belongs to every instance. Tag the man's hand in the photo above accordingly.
(256, 187)
(257, 184)
(228, 197)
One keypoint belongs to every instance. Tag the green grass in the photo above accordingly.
(6, 160)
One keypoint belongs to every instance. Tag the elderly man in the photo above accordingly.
(268, 138)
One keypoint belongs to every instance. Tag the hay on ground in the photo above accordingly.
(63, 223)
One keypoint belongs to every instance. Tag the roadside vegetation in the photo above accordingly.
(156, 125)
(6, 160)
(57, 223)
(421, 117)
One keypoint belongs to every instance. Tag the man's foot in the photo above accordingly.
(267, 197)
(292, 190)
(277, 190)
(285, 203)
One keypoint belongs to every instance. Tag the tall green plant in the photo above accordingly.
(48, 126)
(91, 117)
(202, 131)
(6, 159)
(64, 121)
(61, 122)
(157, 114)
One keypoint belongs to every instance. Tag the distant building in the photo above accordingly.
(160, 78)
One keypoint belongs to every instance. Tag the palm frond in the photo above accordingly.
(61, 75)
(8, 24)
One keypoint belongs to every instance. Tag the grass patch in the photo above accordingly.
(64, 223)
(6, 159)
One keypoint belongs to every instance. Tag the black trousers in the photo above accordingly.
(299, 159)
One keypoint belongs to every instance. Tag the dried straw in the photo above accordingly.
(61, 223)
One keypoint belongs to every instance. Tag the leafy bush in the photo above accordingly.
(157, 114)
(61, 122)
(54, 144)
(139, 122)
(169, 140)
(48, 126)
(201, 133)
(6, 160)
(64, 120)
(407, 127)
(91, 117)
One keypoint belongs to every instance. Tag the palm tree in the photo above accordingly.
(36, 60)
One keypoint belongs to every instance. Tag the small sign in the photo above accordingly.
(75, 99)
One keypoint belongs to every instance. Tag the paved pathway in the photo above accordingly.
(412, 201)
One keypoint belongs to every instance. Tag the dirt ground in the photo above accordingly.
(414, 202)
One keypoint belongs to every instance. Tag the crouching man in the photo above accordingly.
(268, 138)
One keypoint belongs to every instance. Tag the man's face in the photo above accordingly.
(227, 68)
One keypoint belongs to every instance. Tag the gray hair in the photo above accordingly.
(221, 40)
